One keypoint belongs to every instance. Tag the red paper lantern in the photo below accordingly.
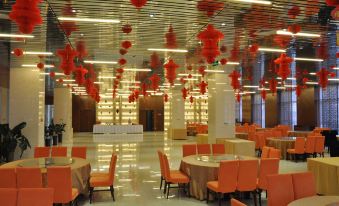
(263, 94)
(171, 39)
(123, 51)
(52, 74)
(184, 92)
(126, 28)
(294, 28)
(223, 49)
(171, 67)
(40, 66)
(189, 67)
(26, 14)
(60, 80)
(323, 77)
(210, 6)
(81, 49)
(273, 85)
(284, 63)
(80, 73)
(202, 87)
(126, 44)
(138, 3)
(122, 61)
(191, 99)
(223, 61)
(201, 71)
(293, 12)
(165, 97)
(235, 83)
(120, 70)
(155, 79)
(332, 2)
(18, 52)
(68, 26)
(67, 59)
(155, 61)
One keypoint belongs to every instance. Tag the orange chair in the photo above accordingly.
(189, 149)
(218, 149)
(41, 152)
(274, 153)
(298, 148)
(280, 189)
(7, 178)
(247, 177)
(310, 145)
(204, 149)
(35, 197)
(267, 167)
(79, 152)
(227, 179)
(235, 202)
(303, 185)
(8, 196)
(60, 179)
(174, 177)
(162, 177)
(265, 152)
(319, 146)
(29, 177)
(103, 179)
(59, 152)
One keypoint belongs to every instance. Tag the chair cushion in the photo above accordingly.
(178, 177)
(75, 193)
(100, 181)
(98, 174)
(213, 185)
(292, 151)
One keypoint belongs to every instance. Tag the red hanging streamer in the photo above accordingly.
(67, 56)
(323, 75)
(293, 12)
(202, 87)
(155, 79)
(184, 92)
(80, 73)
(81, 49)
(273, 85)
(171, 68)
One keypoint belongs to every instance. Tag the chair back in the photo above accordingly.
(235, 202)
(218, 148)
(267, 167)
(8, 196)
(35, 197)
(310, 144)
(204, 148)
(299, 145)
(319, 144)
(227, 176)
(189, 149)
(79, 152)
(247, 175)
(274, 153)
(166, 167)
(303, 185)
(59, 152)
(59, 178)
(265, 152)
(160, 156)
(7, 178)
(29, 177)
(262, 141)
(280, 190)
(112, 167)
(40, 152)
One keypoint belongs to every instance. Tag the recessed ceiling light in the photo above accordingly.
(250, 86)
(284, 32)
(89, 20)
(69, 80)
(233, 63)
(16, 36)
(34, 65)
(106, 77)
(139, 70)
(214, 71)
(223, 24)
(151, 15)
(271, 49)
(169, 50)
(99, 62)
(36, 53)
(308, 59)
(255, 1)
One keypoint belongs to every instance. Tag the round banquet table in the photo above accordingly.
(316, 201)
(283, 143)
(81, 169)
(202, 169)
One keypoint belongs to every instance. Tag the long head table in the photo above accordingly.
(117, 129)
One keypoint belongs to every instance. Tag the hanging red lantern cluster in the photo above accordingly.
(26, 14)
(332, 2)
(155, 61)
(282, 40)
(223, 49)
(155, 80)
(40, 65)
(138, 3)
(171, 68)
(294, 28)
(323, 75)
(202, 87)
(144, 89)
(52, 74)
(80, 74)
(122, 61)
(322, 50)
(131, 98)
(126, 44)
(67, 56)
(18, 52)
(273, 85)
(223, 61)
(254, 49)
(171, 39)
(293, 12)
(92, 90)
(68, 26)
(127, 28)
(183, 80)
(184, 93)
(235, 83)
(312, 7)
(284, 66)
(210, 6)
(136, 93)
(210, 38)
(80, 46)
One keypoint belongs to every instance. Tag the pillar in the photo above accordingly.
(177, 120)
(221, 107)
(63, 110)
(3, 105)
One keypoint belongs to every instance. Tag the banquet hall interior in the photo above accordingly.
(169, 102)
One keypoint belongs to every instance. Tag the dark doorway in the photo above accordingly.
(151, 113)
(149, 120)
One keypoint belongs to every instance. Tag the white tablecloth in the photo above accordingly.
(117, 129)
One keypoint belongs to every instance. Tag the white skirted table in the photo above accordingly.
(117, 129)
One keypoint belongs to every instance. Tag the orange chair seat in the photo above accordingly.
(100, 181)
(213, 185)
(292, 151)
(178, 177)
(99, 174)
(75, 193)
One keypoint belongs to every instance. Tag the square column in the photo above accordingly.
(221, 108)
(63, 109)
(177, 129)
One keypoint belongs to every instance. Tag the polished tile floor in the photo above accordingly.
(137, 172)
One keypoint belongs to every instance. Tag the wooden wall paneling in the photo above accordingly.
(246, 109)
(271, 110)
(83, 111)
(306, 109)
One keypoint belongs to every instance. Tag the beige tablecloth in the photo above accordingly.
(241, 135)
(201, 172)
(282, 144)
(326, 172)
(81, 170)
(316, 201)
(298, 133)
(238, 146)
